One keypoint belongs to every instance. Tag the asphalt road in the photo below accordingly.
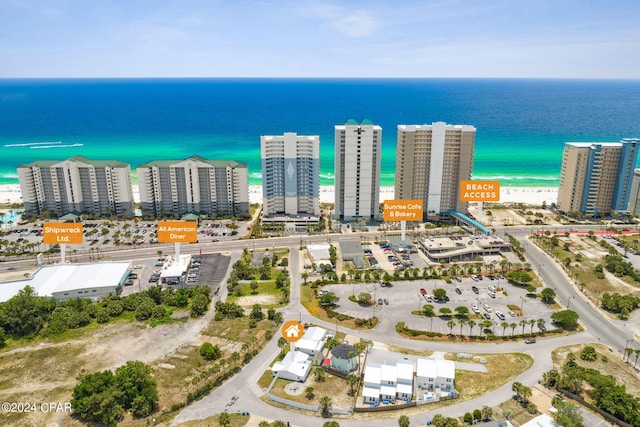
(244, 385)
(247, 394)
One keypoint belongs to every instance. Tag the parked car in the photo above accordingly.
(379, 301)
(475, 309)
(458, 291)
(386, 301)
(500, 315)
(511, 313)
(475, 290)
(491, 294)
(423, 291)
(530, 341)
(487, 308)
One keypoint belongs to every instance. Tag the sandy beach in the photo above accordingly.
(529, 195)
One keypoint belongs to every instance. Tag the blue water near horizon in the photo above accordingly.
(522, 124)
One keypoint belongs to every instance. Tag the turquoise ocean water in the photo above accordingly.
(522, 125)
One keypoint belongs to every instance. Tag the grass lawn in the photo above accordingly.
(237, 420)
(501, 368)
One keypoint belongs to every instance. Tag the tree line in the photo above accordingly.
(28, 315)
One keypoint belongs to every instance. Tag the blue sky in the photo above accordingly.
(360, 38)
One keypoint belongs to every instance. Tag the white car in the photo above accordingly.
(491, 294)
(500, 315)
(487, 308)
(475, 309)
(492, 288)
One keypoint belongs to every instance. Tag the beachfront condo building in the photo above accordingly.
(173, 188)
(78, 185)
(431, 160)
(290, 175)
(634, 198)
(358, 150)
(595, 179)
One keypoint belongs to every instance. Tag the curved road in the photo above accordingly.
(242, 392)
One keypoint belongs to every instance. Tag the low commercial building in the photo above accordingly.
(69, 281)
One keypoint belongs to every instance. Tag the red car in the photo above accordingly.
(423, 291)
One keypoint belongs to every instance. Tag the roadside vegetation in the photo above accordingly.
(29, 316)
(594, 375)
(607, 278)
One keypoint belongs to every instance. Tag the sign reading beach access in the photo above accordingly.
(402, 210)
(177, 231)
(479, 191)
(58, 233)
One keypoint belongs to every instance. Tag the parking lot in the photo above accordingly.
(405, 296)
(210, 270)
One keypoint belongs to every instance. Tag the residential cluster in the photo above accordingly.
(597, 178)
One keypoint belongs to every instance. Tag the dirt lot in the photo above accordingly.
(47, 372)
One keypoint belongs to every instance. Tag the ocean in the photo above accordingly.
(522, 124)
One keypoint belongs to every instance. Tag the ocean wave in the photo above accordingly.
(257, 175)
(42, 147)
(517, 178)
(9, 176)
(29, 144)
(327, 176)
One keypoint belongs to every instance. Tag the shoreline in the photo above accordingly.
(10, 193)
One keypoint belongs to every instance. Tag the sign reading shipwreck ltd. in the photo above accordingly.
(62, 233)
(479, 191)
(402, 210)
(177, 231)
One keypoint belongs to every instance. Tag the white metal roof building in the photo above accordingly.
(69, 281)
(295, 366)
(312, 342)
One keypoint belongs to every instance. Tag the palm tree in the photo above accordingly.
(523, 323)
(637, 354)
(532, 322)
(282, 343)
(451, 324)
(516, 387)
(319, 374)
(235, 356)
(352, 380)
(325, 403)
(309, 392)
(629, 351)
(525, 392)
(513, 328)
(305, 276)
(471, 324)
(461, 322)
(504, 325)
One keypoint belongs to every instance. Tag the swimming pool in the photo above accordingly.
(10, 217)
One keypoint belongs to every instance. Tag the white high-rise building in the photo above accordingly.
(358, 151)
(194, 185)
(78, 184)
(290, 174)
(431, 160)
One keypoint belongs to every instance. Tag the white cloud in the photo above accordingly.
(357, 23)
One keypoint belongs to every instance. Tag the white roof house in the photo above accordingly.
(312, 342)
(389, 375)
(371, 390)
(542, 420)
(69, 281)
(404, 386)
(435, 373)
(295, 366)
